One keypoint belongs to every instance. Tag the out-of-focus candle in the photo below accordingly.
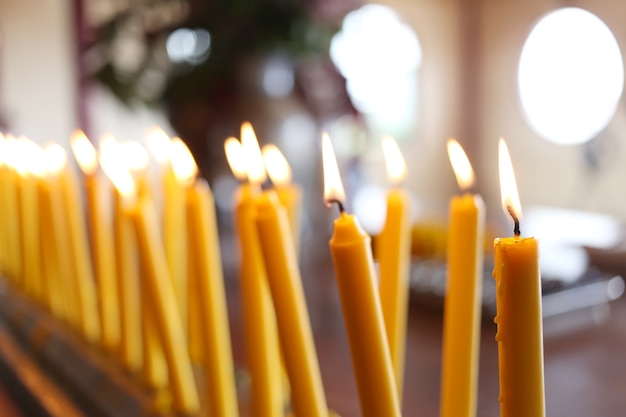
(462, 310)
(260, 328)
(393, 248)
(356, 280)
(101, 228)
(205, 260)
(518, 309)
(289, 194)
(12, 212)
(160, 291)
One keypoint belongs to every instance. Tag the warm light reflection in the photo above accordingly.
(3, 150)
(461, 165)
(236, 158)
(333, 188)
(508, 186)
(9, 150)
(183, 164)
(119, 175)
(252, 155)
(55, 158)
(133, 155)
(84, 152)
(276, 165)
(158, 144)
(396, 166)
(108, 148)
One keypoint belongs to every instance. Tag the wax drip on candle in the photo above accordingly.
(516, 230)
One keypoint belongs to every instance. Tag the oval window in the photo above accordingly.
(571, 76)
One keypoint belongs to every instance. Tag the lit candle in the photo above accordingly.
(259, 317)
(356, 280)
(208, 280)
(294, 327)
(518, 306)
(289, 194)
(462, 309)
(159, 288)
(5, 243)
(103, 252)
(12, 214)
(393, 248)
(47, 245)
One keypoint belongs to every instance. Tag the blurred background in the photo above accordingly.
(546, 77)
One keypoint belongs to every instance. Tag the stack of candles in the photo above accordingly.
(141, 257)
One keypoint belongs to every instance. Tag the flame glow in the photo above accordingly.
(508, 185)
(333, 188)
(396, 166)
(183, 164)
(119, 175)
(84, 152)
(159, 145)
(461, 165)
(236, 158)
(56, 158)
(253, 156)
(134, 155)
(276, 165)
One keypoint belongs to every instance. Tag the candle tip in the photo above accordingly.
(339, 203)
(516, 230)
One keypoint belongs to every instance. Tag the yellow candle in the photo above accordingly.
(47, 249)
(462, 310)
(518, 305)
(12, 214)
(210, 297)
(394, 258)
(260, 328)
(356, 280)
(289, 194)
(101, 228)
(5, 268)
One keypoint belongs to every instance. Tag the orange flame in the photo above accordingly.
(461, 165)
(333, 188)
(396, 166)
(276, 165)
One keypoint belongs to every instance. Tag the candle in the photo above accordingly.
(259, 317)
(462, 308)
(12, 215)
(356, 280)
(394, 257)
(174, 221)
(100, 226)
(160, 293)
(5, 243)
(289, 194)
(518, 306)
(294, 327)
(47, 244)
(208, 280)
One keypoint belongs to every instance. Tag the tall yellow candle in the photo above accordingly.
(159, 288)
(5, 261)
(101, 232)
(289, 194)
(47, 248)
(394, 258)
(209, 281)
(260, 328)
(12, 213)
(356, 280)
(462, 309)
(518, 306)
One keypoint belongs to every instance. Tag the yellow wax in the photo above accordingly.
(175, 240)
(260, 328)
(212, 312)
(290, 197)
(290, 304)
(519, 320)
(462, 309)
(356, 280)
(31, 259)
(160, 290)
(12, 223)
(82, 282)
(47, 251)
(155, 373)
(103, 256)
(5, 261)
(393, 248)
(127, 271)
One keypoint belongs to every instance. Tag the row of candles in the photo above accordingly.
(148, 284)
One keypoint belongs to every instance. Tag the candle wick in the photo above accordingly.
(516, 230)
(339, 204)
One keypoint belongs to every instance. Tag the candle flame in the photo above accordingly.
(183, 164)
(236, 158)
(119, 174)
(134, 155)
(333, 188)
(253, 156)
(84, 152)
(3, 150)
(508, 186)
(56, 158)
(10, 143)
(276, 165)
(396, 166)
(159, 145)
(461, 165)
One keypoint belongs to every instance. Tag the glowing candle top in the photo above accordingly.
(461, 165)
(396, 166)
